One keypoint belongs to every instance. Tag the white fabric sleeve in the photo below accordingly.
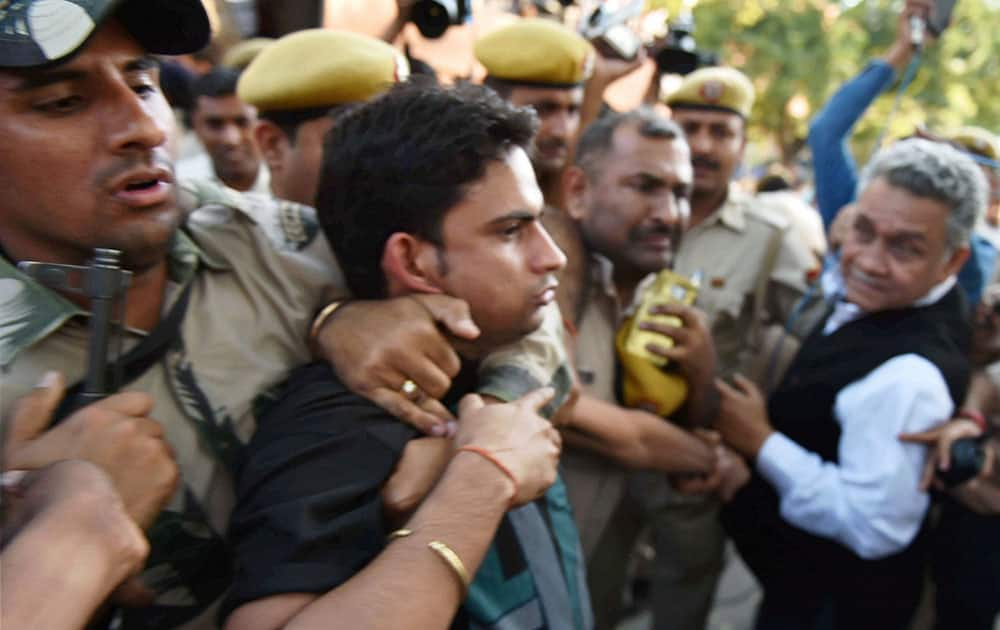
(870, 501)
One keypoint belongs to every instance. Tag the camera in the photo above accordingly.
(680, 55)
(610, 33)
(967, 459)
(433, 17)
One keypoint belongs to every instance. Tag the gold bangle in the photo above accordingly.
(399, 533)
(321, 318)
(452, 560)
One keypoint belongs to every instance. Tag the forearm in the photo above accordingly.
(636, 439)
(983, 395)
(58, 570)
(463, 512)
(829, 131)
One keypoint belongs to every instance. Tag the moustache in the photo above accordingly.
(703, 162)
(550, 144)
(642, 233)
(157, 158)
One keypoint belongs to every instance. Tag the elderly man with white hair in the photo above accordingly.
(832, 518)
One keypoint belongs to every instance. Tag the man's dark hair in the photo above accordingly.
(500, 86)
(597, 138)
(215, 83)
(400, 162)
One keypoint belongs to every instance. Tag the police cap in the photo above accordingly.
(320, 68)
(536, 52)
(242, 53)
(978, 141)
(715, 88)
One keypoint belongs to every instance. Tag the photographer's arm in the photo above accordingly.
(829, 131)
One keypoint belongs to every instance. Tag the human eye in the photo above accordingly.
(863, 231)
(144, 85)
(59, 106)
(905, 250)
(512, 230)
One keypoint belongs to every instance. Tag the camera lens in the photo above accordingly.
(433, 17)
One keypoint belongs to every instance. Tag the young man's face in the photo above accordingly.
(635, 207)
(559, 114)
(717, 140)
(896, 251)
(224, 125)
(84, 161)
(497, 256)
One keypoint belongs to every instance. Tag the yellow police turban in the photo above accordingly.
(536, 51)
(715, 88)
(977, 140)
(320, 68)
(242, 53)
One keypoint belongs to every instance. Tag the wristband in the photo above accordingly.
(451, 558)
(321, 318)
(490, 457)
(975, 416)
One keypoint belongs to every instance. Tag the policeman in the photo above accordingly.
(753, 271)
(299, 84)
(984, 148)
(544, 65)
(541, 64)
(627, 195)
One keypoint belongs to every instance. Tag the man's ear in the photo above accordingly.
(274, 144)
(954, 262)
(575, 187)
(410, 265)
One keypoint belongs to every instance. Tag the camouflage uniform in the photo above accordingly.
(253, 296)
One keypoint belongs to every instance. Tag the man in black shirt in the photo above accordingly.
(423, 191)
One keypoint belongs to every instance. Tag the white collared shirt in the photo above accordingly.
(870, 501)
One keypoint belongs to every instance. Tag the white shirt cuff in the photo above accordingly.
(781, 461)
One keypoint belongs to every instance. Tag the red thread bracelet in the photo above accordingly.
(490, 457)
(975, 416)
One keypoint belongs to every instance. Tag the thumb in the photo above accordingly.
(537, 399)
(450, 312)
(33, 412)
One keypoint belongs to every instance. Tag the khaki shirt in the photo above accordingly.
(253, 295)
(730, 249)
(595, 484)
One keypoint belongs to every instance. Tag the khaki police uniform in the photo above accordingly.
(753, 268)
(606, 517)
(730, 249)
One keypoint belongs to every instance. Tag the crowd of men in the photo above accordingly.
(366, 361)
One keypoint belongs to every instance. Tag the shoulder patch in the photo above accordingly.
(288, 225)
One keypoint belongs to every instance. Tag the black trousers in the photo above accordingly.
(966, 569)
